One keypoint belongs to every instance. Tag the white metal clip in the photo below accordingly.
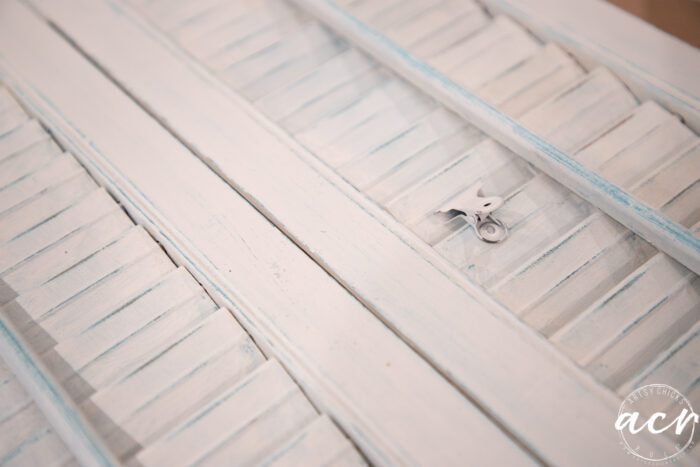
(476, 209)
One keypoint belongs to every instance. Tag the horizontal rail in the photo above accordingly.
(665, 234)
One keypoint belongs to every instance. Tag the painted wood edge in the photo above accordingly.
(582, 379)
(401, 231)
(665, 234)
(56, 405)
(264, 333)
(322, 391)
(367, 204)
(661, 68)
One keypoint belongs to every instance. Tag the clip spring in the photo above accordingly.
(476, 209)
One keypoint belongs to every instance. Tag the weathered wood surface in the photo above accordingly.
(387, 398)
(444, 342)
(654, 64)
(26, 437)
(411, 155)
(449, 82)
(567, 255)
(643, 149)
(162, 375)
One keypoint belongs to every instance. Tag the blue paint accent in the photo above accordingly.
(674, 232)
(675, 351)
(78, 429)
(20, 152)
(86, 258)
(148, 325)
(33, 438)
(565, 39)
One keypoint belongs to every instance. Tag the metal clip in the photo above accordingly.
(476, 210)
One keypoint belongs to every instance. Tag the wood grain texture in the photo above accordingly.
(652, 63)
(27, 437)
(652, 225)
(576, 112)
(52, 403)
(596, 118)
(257, 271)
(282, 207)
(122, 348)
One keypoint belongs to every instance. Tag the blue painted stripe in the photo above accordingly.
(664, 233)
(31, 373)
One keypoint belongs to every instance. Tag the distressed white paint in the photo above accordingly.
(53, 401)
(217, 140)
(136, 343)
(256, 270)
(19, 416)
(652, 225)
(653, 63)
(580, 133)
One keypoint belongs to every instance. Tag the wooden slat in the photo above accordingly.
(577, 113)
(542, 64)
(17, 411)
(586, 336)
(144, 382)
(174, 289)
(581, 112)
(671, 180)
(26, 161)
(583, 287)
(57, 171)
(253, 268)
(214, 336)
(59, 257)
(281, 100)
(508, 52)
(538, 276)
(663, 326)
(24, 137)
(541, 90)
(109, 261)
(52, 202)
(172, 406)
(94, 206)
(640, 122)
(365, 170)
(641, 57)
(420, 26)
(13, 397)
(11, 118)
(632, 166)
(205, 431)
(423, 164)
(148, 343)
(317, 444)
(461, 28)
(446, 344)
(279, 423)
(666, 234)
(51, 399)
(677, 366)
(45, 449)
(324, 105)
